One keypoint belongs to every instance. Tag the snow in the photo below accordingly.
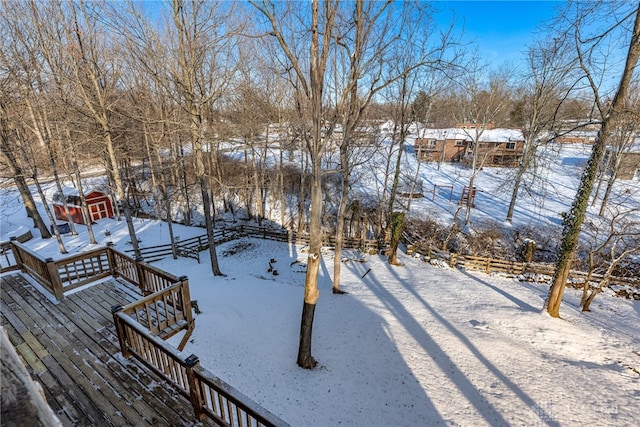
(417, 344)
(486, 135)
(411, 345)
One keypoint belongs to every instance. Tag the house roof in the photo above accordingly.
(488, 135)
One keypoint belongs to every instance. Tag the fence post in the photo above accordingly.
(142, 283)
(191, 363)
(120, 331)
(113, 267)
(54, 278)
(453, 259)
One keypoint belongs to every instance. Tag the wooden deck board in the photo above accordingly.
(71, 348)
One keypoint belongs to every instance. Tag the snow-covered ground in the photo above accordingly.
(411, 345)
(416, 344)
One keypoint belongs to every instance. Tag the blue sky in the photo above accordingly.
(502, 29)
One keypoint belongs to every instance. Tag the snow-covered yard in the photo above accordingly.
(416, 344)
(411, 345)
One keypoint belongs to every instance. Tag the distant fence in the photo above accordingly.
(192, 247)
(490, 265)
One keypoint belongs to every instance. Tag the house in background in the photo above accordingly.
(629, 166)
(441, 145)
(576, 137)
(98, 203)
(495, 147)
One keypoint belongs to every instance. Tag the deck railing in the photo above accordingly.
(74, 271)
(210, 396)
(7, 257)
(165, 312)
(142, 326)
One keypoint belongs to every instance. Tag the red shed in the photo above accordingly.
(98, 202)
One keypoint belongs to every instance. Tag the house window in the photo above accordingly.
(459, 143)
(511, 145)
(432, 143)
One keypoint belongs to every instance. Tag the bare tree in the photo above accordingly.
(367, 40)
(620, 17)
(311, 80)
(481, 102)
(7, 149)
(614, 239)
(623, 140)
(92, 70)
(36, 96)
(546, 86)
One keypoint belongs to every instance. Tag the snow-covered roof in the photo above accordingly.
(72, 191)
(488, 135)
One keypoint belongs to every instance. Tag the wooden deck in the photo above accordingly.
(71, 349)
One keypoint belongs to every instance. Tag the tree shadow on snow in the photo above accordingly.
(474, 396)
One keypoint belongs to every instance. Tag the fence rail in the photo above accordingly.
(192, 246)
(490, 265)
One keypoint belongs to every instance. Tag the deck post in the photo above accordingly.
(186, 309)
(142, 282)
(191, 363)
(120, 331)
(113, 267)
(54, 278)
(16, 252)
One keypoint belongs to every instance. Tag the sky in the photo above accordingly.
(501, 29)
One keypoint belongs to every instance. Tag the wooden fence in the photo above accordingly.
(289, 236)
(210, 396)
(490, 265)
(192, 246)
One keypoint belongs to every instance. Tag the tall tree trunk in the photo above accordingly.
(397, 226)
(607, 191)
(43, 134)
(116, 177)
(342, 211)
(185, 186)
(517, 181)
(601, 177)
(196, 122)
(78, 179)
(311, 292)
(47, 210)
(283, 198)
(302, 199)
